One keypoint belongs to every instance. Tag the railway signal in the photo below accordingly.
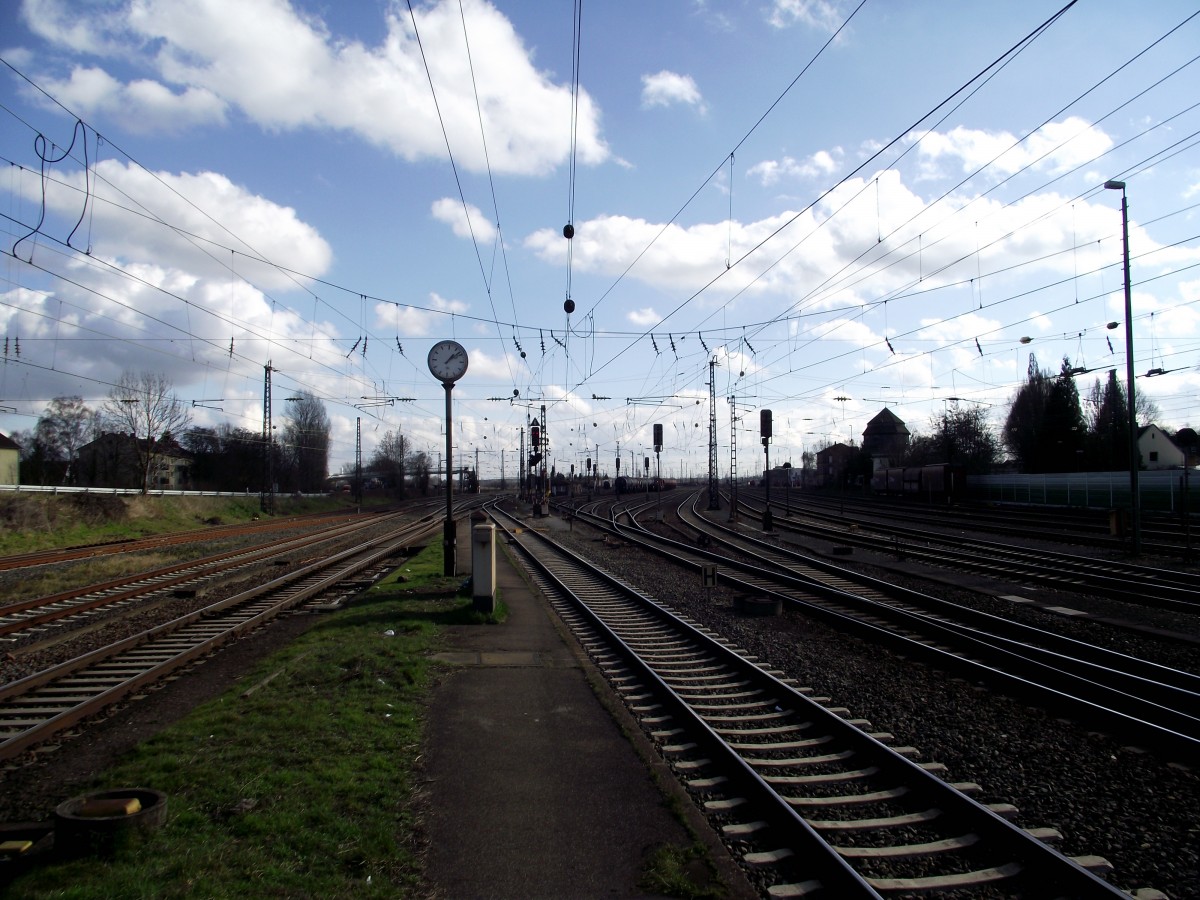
(658, 445)
(764, 431)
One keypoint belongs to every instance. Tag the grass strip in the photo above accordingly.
(35, 521)
(301, 787)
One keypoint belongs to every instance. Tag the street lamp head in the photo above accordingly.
(1114, 185)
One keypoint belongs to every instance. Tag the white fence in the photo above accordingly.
(64, 489)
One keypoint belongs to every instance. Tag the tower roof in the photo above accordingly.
(885, 422)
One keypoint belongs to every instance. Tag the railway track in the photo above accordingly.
(1161, 533)
(33, 617)
(1140, 585)
(1146, 704)
(806, 798)
(47, 703)
(158, 542)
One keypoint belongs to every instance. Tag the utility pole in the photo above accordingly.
(733, 473)
(267, 497)
(714, 481)
(358, 485)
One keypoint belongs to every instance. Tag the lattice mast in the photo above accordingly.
(733, 473)
(714, 482)
(267, 496)
(358, 479)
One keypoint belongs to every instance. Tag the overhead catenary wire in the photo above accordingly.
(617, 335)
(1016, 48)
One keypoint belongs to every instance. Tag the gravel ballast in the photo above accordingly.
(1137, 811)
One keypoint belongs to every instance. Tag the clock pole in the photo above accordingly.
(450, 533)
(447, 363)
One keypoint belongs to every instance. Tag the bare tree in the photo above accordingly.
(306, 435)
(144, 406)
(66, 425)
(421, 466)
(390, 461)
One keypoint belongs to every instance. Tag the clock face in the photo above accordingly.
(447, 360)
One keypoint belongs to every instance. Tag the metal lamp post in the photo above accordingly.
(1135, 501)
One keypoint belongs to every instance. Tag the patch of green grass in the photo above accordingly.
(30, 522)
(681, 872)
(419, 574)
(299, 783)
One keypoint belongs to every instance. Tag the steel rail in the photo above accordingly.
(1083, 690)
(1096, 661)
(742, 734)
(129, 545)
(119, 590)
(45, 703)
(1142, 585)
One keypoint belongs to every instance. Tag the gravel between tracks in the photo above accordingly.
(1113, 801)
(1126, 806)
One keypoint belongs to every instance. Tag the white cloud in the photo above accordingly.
(1055, 147)
(853, 331)
(820, 14)
(141, 106)
(940, 253)
(28, 307)
(668, 88)
(451, 212)
(97, 30)
(821, 164)
(645, 317)
(682, 256)
(284, 70)
(413, 322)
(959, 328)
(130, 204)
(158, 285)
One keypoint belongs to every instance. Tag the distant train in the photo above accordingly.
(628, 485)
(940, 482)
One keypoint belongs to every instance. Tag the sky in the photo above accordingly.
(832, 207)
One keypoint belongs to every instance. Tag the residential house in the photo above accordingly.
(1157, 451)
(833, 463)
(115, 460)
(10, 461)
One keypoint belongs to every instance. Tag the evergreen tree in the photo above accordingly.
(1025, 422)
(1107, 446)
(1064, 432)
(1045, 429)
